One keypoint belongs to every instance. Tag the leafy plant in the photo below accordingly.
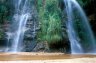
(1, 34)
(84, 2)
(50, 21)
(4, 11)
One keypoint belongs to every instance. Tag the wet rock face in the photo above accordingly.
(31, 31)
(60, 46)
(3, 42)
(29, 45)
(3, 29)
(3, 36)
(92, 19)
(90, 10)
(41, 47)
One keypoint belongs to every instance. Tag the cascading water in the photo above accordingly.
(79, 31)
(20, 18)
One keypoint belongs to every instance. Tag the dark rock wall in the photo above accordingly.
(90, 10)
(31, 32)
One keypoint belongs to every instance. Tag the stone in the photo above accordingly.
(41, 47)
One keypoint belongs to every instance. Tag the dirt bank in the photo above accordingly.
(45, 58)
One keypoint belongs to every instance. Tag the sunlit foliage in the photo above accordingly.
(50, 21)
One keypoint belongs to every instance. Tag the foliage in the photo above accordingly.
(4, 11)
(50, 21)
(1, 35)
(4, 15)
(84, 2)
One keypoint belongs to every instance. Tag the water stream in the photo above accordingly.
(79, 31)
(20, 18)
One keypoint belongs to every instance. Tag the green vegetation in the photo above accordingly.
(84, 2)
(50, 21)
(4, 11)
(1, 35)
(4, 15)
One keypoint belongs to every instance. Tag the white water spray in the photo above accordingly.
(76, 41)
(20, 18)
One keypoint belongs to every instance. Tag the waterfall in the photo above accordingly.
(81, 36)
(21, 15)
